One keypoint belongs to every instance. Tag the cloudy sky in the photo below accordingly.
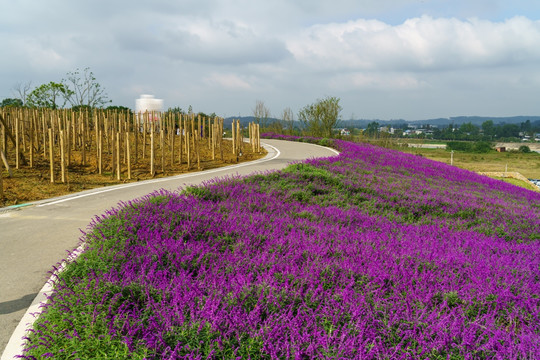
(385, 59)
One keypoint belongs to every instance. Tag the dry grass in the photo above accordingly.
(31, 184)
(526, 164)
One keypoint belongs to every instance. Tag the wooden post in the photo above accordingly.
(83, 140)
(221, 123)
(128, 155)
(62, 156)
(17, 142)
(136, 131)
(1, 184)
(51, 154)
(193, 132)
(162, 145)
(100, 151)
(180, 129)
(232, 135)
(118, 155)
(188, 152)
(197, 150)
(4, 138)
(6, 164)
(172, 133)
(198, 127)
(214, 133)
(112, 152)
(152, 169)
(32, 131)
(258, 134)
(145, 129)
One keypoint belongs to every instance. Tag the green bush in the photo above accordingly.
(476, 147)
(459, 146)
(524, 149)
(482, 147)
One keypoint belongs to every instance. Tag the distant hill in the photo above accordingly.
(440, 122)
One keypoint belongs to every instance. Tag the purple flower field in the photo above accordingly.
(372, 254)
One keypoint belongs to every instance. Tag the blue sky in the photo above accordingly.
(385, 59)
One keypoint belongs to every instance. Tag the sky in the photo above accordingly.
(384, 59)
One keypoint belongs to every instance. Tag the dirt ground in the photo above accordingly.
(32, 184)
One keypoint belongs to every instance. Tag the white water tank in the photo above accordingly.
(148, 103)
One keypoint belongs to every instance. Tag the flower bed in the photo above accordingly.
(371, 254)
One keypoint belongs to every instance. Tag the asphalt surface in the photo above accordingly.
(33, 238)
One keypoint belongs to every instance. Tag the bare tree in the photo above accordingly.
(288, 120)
(86, 91)
(261, 114)
(21, 91)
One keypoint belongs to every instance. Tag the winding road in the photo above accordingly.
(33, 238)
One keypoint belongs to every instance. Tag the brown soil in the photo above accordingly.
(32, 184)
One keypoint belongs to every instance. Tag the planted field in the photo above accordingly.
(373, 254)
(48, 153)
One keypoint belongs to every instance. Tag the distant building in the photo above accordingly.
(345, 132)
(500, 148)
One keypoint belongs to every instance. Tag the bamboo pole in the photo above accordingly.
(51, 154)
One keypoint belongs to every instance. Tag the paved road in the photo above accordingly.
(34, 238)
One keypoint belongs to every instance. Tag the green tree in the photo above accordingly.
(508, 130)
(320, 118)
(52, 95)
(84, 89)
(526, 127)
(489, 128)
(372, 129)
(9, 102)
(468, 128)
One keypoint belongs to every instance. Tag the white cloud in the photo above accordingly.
(419, 44)
(376, 81)
(227, 81)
